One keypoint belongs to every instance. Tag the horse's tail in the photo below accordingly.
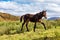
(21, 18)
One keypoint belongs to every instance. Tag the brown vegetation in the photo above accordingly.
(7, 17)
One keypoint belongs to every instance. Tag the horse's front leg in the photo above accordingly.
(43, 25)
(34, 26)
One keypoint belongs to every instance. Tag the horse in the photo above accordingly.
(33, 18)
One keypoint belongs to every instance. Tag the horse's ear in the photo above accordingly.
(44, 10)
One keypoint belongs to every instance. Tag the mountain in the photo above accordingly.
(53, 18)
(7, 17)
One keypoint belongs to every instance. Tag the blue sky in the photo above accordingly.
(21, 7)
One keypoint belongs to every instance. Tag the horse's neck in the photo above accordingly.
(38, 15)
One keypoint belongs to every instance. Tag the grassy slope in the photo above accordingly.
(7, 17)
(11, 31)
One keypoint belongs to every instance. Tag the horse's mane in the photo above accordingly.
(38, 13)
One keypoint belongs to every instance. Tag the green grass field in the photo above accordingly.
(10, 30)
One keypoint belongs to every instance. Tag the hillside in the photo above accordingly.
(54, 18)
(6, 16)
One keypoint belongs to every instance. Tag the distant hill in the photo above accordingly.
(53, 18)
(7, 17)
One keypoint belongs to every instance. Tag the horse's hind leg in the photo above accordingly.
(22, 25)
(43, 25)
(27, 25)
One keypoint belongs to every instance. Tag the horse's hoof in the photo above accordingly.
(45, 29)
(28, 30)
(34, 30)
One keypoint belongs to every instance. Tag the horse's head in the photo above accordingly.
(44, 14)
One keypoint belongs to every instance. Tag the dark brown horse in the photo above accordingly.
(33, 18)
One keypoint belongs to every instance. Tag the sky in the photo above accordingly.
(21, 7)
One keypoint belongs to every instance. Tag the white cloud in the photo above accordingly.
(38, 0)
(53, 1)
(29, 0)
(53, 7)
(20, 7)
(8, 5)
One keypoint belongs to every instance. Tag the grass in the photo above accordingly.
(10, 30)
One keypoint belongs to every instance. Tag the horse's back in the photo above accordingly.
(29, 15)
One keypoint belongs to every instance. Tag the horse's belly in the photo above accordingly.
(33, 20)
